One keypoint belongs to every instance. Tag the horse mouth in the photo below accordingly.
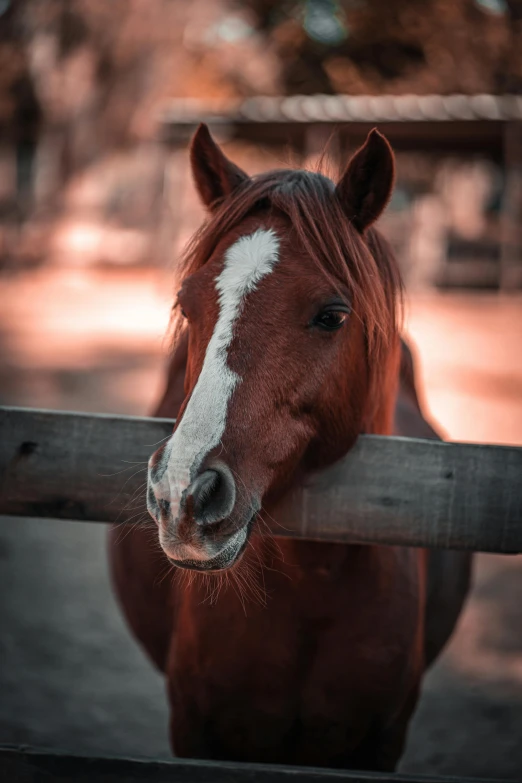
(225, 559)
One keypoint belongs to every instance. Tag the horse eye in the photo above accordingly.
(330, 320)
(178, 305)
(183, 312)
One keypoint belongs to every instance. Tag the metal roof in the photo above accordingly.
(348, 108)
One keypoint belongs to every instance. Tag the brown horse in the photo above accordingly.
(287, 348)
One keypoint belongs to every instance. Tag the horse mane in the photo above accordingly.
(365, 264)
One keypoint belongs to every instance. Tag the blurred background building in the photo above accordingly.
(83, 85)
(97, 103)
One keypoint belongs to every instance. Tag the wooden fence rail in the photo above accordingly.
(23, 765)
(387, 490)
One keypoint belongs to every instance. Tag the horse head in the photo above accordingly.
(288, 296)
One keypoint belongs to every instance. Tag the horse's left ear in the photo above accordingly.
(366, 186)
(214, 174)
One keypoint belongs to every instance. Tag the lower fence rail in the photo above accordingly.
(26, 765)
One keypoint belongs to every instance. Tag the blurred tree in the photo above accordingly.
(98, 71)
(102, 70)
(20, 110)
(380, 46)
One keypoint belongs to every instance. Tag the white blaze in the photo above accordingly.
(246, 262)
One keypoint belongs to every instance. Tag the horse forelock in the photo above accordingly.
(365, 265)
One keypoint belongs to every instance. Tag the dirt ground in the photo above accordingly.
(71, 677)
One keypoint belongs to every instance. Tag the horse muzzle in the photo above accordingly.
(206, 529)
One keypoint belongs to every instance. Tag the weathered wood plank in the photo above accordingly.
(387, 490)
(75, 466)
(415, 493)
(22, 765)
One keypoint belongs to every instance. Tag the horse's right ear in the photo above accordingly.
(215, 176)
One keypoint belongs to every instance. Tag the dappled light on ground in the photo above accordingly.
(470, 348)
(69, 323)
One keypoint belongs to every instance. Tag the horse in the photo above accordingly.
(286, 348)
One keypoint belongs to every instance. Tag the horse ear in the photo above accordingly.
(367, 183)
(214, 174)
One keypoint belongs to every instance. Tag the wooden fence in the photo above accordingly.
(386, 490)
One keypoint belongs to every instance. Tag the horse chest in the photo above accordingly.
(310, 669)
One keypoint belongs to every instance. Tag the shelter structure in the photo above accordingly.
(462, 126)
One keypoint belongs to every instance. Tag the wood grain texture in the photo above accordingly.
(386, 490)
(23, 765)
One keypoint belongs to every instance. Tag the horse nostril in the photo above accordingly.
(212, 496)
